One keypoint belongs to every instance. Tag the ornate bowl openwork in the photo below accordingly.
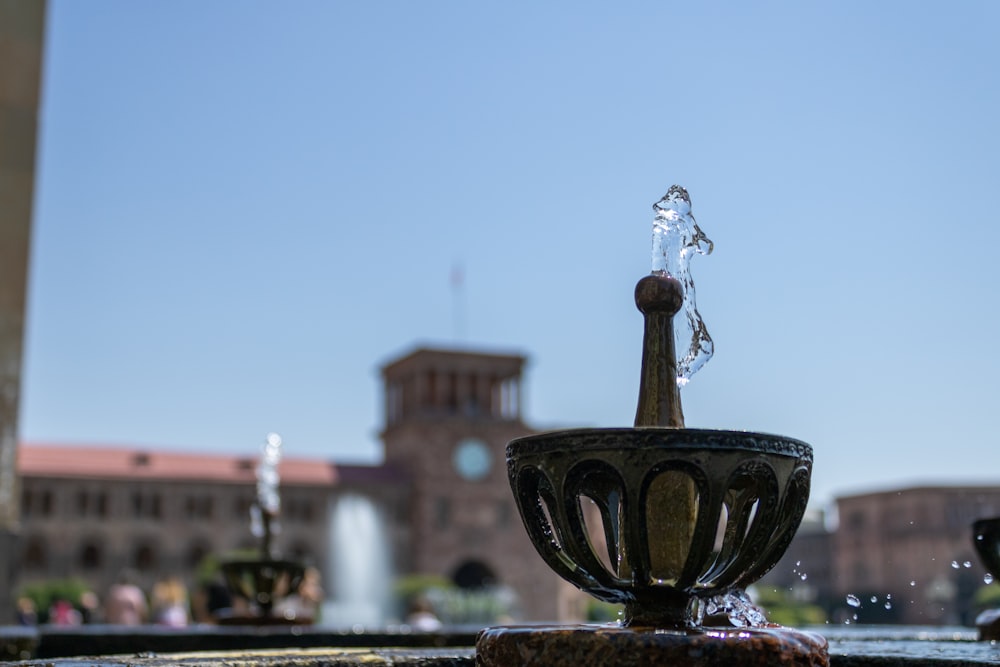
(262, 583)
(986, 540)
(658, 518)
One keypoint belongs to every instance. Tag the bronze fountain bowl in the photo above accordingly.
(262, 582)
(986, 541)
(658, 518)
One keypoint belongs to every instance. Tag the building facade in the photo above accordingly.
(897, 556)
(449, 416)
(93, 512)
(441, 495)
(911, 551)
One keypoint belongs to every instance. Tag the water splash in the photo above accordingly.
(268, 502)
(676, 236)
(738, 608)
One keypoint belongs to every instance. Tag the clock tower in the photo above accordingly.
(448, 417)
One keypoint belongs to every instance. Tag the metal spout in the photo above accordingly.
(659, 297)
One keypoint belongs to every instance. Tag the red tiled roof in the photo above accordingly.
(102, 462)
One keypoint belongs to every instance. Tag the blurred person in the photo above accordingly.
(90, 607)
(125, 603)
(170, 603)
(26, 612)
(62, 612)
(421, 615)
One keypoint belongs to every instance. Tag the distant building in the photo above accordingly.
(911, 551)
(446, 509)
(899, 556)
(442, 493)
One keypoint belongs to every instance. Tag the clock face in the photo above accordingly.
(472, 459)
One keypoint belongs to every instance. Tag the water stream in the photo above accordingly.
(676, 238)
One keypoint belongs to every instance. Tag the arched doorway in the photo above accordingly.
(473, 574)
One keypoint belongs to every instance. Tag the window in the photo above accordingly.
(102, 505)
(241, 508)
(147, 505)
(297, 509)
(199, 507)
(91, 556)
(36, 553)
(144, 557)
(82, 498)
(46, 504)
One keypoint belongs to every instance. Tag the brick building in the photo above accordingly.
(902, 556)
(914, 547)
(442, 495)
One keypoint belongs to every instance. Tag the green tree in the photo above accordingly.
(44, 593)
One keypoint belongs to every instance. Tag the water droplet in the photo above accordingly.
(797, 563)
(874, 598)
(967, 564)
(855, 617)
(954, 564)
(988, 578)
(853, 601)
(888, 605)
(803, 576)
(913, 583)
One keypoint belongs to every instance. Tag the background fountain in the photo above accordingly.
(359, 564)
(260, 582)
(687, 517)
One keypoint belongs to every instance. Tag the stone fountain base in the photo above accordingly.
(572, 646)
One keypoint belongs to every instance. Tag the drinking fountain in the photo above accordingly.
(671, 522)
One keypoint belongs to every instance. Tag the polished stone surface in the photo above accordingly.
(849, 646)
(63, 642)
(611, 646)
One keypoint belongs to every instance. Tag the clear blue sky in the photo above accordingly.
(244, 208)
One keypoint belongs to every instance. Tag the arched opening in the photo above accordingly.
(474, 574)
(144, 557)
(36, 553)
(91, 556)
